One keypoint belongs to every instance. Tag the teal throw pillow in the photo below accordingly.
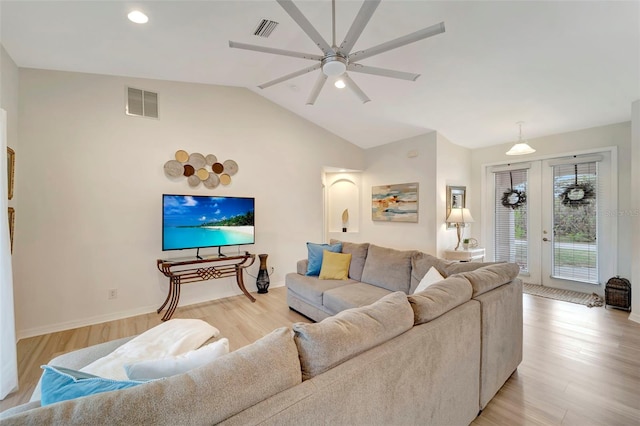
(61, 384)
(315, 255)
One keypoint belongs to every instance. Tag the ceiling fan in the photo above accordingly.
(336, 60)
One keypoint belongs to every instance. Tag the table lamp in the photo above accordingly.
(460, 217)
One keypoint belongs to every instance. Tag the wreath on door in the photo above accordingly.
(513, 198)
(577, 194)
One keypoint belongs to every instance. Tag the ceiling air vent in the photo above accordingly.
(141, 103)
(265, 28)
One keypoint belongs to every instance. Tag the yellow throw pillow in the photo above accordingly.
(335, 266)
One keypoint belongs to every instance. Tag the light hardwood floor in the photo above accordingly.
(581, 366)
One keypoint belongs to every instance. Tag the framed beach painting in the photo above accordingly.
(395, 203)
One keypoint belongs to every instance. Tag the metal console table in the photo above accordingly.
(184, 271)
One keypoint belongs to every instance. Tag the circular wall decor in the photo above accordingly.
(217, 168)
(182, 156)
(230, 167)
(225, 179)
(212, 181)
(203, 174)
(211, 159)
(189, 170)
(197, 160)
(193, 181)
(173, 168)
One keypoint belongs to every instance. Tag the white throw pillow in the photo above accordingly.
(431, 277)
(172, 365)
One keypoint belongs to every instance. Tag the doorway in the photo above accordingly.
(550, 217)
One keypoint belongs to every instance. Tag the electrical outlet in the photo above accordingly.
(113, 293)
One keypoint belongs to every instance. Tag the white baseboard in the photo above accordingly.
(62, 326)
(635, 317)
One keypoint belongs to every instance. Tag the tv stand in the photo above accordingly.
(188, 270)
(198, 254)
(220, 254)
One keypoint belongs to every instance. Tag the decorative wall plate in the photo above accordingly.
(188, 170)
(193, 181)
(211, 159)
(230, 167)
(197, 160)
(217, 168)
(225, 179)
(202, 174)
(173, 168)
(212, 181)
(182, 156)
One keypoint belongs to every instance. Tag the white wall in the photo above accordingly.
(391, 164)
(635, 212)
(90, 181)
(453, 169)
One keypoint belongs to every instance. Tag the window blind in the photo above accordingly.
(511, 224)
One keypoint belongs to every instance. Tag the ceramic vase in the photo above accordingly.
(262, 281)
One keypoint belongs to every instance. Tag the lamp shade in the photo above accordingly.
(460, 216)
(520, 149)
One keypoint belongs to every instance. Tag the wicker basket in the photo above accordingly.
(617, 293)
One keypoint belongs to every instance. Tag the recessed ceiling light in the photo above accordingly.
(340, 84)
(138, 17)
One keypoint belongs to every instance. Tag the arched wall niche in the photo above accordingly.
(343, 193)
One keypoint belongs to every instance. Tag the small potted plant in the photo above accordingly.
(465, 244)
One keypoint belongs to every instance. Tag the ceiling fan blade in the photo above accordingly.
(354, 87)
(290, 76)
(401, 41)
(306, 26)
(361, 21)
(322, 78)
(236, 45)
(383, 72)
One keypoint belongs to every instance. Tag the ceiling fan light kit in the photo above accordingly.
(336, 60)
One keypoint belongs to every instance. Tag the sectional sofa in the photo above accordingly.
(432, 358)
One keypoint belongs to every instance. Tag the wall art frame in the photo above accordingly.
(395, 203)
(11, 165)
(457, 199)
(12, 220)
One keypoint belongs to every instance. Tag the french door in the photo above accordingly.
(553, 217)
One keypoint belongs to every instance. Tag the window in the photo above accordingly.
(511, 222)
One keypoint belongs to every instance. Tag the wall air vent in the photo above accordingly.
(141, 103)
(265, 28)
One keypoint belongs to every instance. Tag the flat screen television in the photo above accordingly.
(196, 221)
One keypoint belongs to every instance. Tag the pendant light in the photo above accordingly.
(521, 147)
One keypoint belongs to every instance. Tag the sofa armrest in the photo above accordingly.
(302, 266)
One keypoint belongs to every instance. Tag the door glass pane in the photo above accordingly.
(511, 224)
(575, 219)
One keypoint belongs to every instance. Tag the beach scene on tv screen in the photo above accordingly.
(197, 221)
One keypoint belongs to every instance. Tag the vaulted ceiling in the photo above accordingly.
(556, 65)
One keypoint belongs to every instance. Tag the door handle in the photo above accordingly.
(545, 239)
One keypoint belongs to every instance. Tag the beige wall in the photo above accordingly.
(90, 181)
(453, 167)
(391, 164)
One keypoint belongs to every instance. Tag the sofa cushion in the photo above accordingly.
(311, 288)
(358, 257)
(62, 384)
(352, 296)
(335, 266)
(440, 298)
(430, 278)
(452, 268)
(324, 345)
(489, 277)
(314, 255)
(388, 268)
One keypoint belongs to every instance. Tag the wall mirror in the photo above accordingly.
(457, 199)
